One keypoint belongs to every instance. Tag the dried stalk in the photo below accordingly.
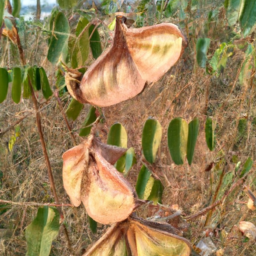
(65, 118)
(35, 204)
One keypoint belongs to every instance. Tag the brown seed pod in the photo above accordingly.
(90, 177)
(139, 238)
(136, 56)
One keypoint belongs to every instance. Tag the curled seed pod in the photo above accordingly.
(248, 229)
(90, 177)
(136, 56)
(136, 236)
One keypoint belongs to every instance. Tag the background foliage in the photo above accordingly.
(214, 82)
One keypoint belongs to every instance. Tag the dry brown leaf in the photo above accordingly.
(136, 56)
(139, 238)
(90, 177)
(11, 34)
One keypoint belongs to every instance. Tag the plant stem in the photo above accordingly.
(34, 204)
(65, 118)
(211, 207)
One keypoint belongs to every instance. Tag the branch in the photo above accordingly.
(34, 203)
(207, 209)
(11, 126)
(65, 118)
(39, 127)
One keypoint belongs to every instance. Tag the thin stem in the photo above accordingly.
(39, 127)
(207, 209)
(65, 118)
(34, 204)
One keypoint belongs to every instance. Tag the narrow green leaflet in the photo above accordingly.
(248, 16)
(178, 139)
(93, 225)
(90, 118)
(95, 42)
(125, 163)
(2, 5)
(42, 231)
(31, 72)
(46, 89)
(151, 139)
(210, 134)
(74, 109)
(156, 192)
(233, 10)
(202, 46)
(117, 136)
(81, 46)
(227, 181)
(67, 4)
(37, 79)
(112, 24)
(26, 88)
(16, 6)
(16, 85)
(247, 167)
(193, 130)
(59, 37)
(3, 84)
(142, 182)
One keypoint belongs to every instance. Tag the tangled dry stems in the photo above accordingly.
(186, 91)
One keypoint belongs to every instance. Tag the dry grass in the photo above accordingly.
(187, 92)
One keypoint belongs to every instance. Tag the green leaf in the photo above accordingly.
(247, 167)
(209, 134)
(26, 88)
(74, 109)
(227, 181)
(2, 5)
(178, 139)
(31, 72)
(151, 139)
(233, 10)
(156, 192)
(202, 46)
(91, 118)
(3, 84)
(117, 136)
(16, 85)
(16, 6)
(193, 130)
(58, 40)
(67, 4)
(125, 162)
(37, 79)
(112, 24)
(46, 89)
(93, 225)
(81, 46)
(42, 231)
(95, 42)
(142, 181)
(248, 16)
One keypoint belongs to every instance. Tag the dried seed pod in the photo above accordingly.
(106, 195)
(135, 57)
(248, 229)
(139, 237)
(90, 177)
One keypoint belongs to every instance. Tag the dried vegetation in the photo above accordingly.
(186, 91)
